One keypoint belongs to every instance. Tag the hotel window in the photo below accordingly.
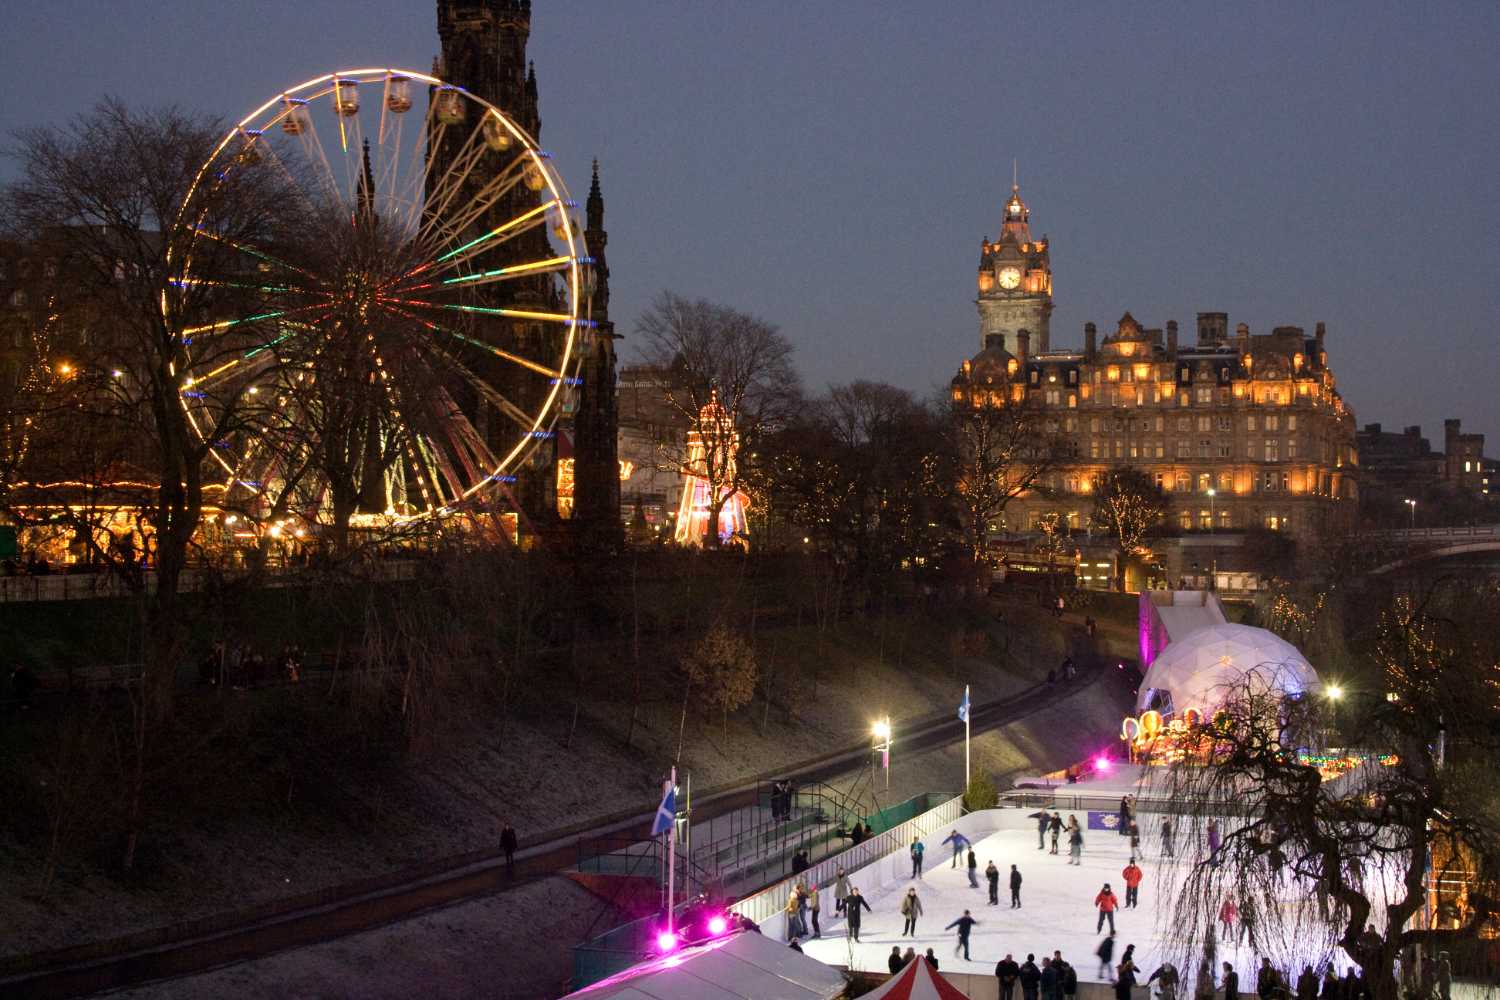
(1053, 397)
(1072, 400)
(1161, 449)
(1129, 374)
(1184, 423)
(1291, 421)
(1094, 424)
(1071, 423)
(1226, 482)
(1183, 374)
(1161, 481)
(1273, 422)
(1223, 518)
(1072, 376)
(1291, 449)
(1186, 520)
(1205, 449)
(1224, 397)
(1119, 448)
(1182, 399)
(1184, 449)
(1272, 452)
(1183, 483)
(1225, 449)
(1094, 448)
(1205, 481)
(1250, 450)
(1036, 377)
(1250, 422)
(1204, 423)
(1205, 520)
(1205, 394)
(1225, 424)
(1133, 453)
(1274, 522)
(1269, 482)
(1072, 484)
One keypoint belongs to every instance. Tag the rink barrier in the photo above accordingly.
(767, 906)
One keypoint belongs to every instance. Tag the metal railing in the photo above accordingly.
(771, 901)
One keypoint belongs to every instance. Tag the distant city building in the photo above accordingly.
(652, 438)
(1400, 472)
(1240, 431)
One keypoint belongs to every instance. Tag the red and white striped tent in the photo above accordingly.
(916, 982)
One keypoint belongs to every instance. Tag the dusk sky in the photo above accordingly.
(832, 167)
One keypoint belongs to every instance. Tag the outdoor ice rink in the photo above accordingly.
(1057, 911)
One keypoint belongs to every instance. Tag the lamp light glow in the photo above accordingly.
(717, 925)
(666, 941)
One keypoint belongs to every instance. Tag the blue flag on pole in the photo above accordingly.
(963, 708)
(666, 813)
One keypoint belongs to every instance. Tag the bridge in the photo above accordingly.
(1412, 546)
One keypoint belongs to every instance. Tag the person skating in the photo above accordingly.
(894, 962)
(1106, 955)
(1214, 843)
(1015, 888)
(508, 845)
(959, 842)
(931, 959)
(814, 906)
(795, 928)
(1123, 824)
(964, 924)
(1107, 902)
(917, 850)
(1125, 981)
(1166, 836)
(1167, 979)
(911, 909)
(1043, 819)
(973, 870)
(1007, 971)
(1247, 923)
(992, 876)
(1228, 913)
(852, 916)
(1075, 846)
(1135, 837)
(1055, 827)
(1231, 983)
(1031, 978)
(840, 889)
(1132, 876)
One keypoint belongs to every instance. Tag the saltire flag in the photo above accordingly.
(666, 813)
(963, 709)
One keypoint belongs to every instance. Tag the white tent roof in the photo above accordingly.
(744, 966)
(1199, 669)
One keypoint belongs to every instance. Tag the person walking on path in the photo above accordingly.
(840, 889)
(814, 905)
(1231, 983)
(973, 870)
(959, 842)
(1007, 971)
(1106, 955)
(1043, 820)
(508, 845)
(964, 924)
(1031, 978)
(1015, 888)
(1166, 836)
(1228, 913)
(992, 876)
(1075, 847)
(1132, 876)
(894, 962)
(852, 915)
(1055, 826)
(917, 850)
(911, 909)
(1108, 903)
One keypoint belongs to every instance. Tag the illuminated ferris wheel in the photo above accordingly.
(406, 322)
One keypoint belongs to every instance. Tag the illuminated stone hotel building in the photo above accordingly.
(1240, 430)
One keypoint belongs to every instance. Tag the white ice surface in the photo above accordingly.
(1057, 910)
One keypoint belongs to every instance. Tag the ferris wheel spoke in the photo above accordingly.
(512, 272)
(417, 186)
(312, 144)
(436, 229)
(447, 186)
(251, 251)
(501, 234)
(498, 352)
(545, 317)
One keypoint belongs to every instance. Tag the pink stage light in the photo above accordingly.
(717, 925)
(666, 941)
(1101, 763)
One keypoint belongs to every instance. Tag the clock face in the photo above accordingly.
(1010, 277)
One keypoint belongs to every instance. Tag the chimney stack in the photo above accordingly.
(1171, 338)
(1023, 345)
(1090, 338)
(1242, 337)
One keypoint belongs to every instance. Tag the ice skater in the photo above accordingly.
(1055, 828)
(917, 850)
(964, 924)
(992, 876)
(840, 889)
(1075, 846)
(973, 870)
(1132, 876)
(959, 842)
(1214, 843)
(1043, 820)
(1228, 914)
(1106, 955)
(851, 912)
(1015, 888)
(911, 909)
(1107, 902)
(1166, 836)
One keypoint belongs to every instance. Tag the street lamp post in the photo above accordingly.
(1413, 505)
(882, 730)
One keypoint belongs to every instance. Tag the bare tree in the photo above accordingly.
(699, 353)
(1001, 450)
(1127, 507)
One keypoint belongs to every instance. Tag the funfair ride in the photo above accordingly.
(415, 320)
(712, 447)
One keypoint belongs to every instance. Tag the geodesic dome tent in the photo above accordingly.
(1200, 669)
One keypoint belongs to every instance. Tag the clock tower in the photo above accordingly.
(1015, 281)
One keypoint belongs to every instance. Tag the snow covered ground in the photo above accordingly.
(1057, 909)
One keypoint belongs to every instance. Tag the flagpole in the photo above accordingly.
(672, 860)
(968, 711)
